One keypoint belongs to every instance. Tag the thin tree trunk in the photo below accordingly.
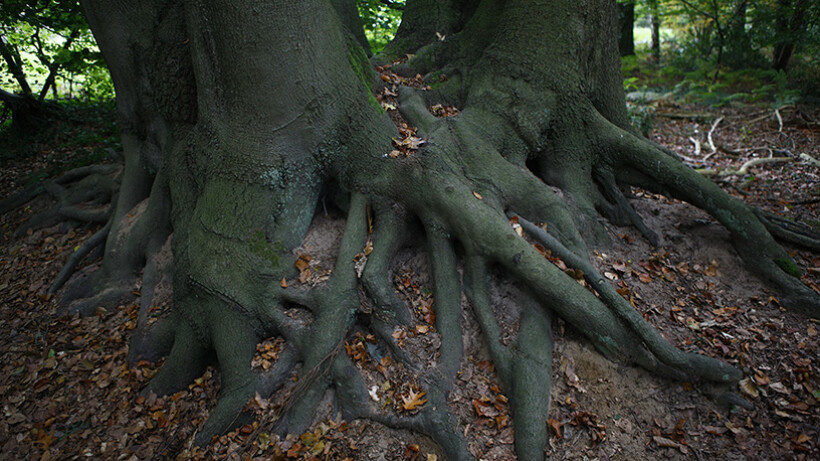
(15, 66)
(656, 30)
(53, 67)
(789, 26)
(626, 25)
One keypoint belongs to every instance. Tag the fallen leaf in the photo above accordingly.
(748, 388)
(664, 442)
(555, 425)
(413, 400)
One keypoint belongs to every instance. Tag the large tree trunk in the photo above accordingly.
(239, 117)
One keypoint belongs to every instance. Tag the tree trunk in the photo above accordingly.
(626, 26)
(789, 23)
(14, 64)
(239, 118)
(738, 42)
(28, 115)
(655, 21)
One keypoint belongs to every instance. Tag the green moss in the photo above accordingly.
(361, 66)
(260, 247)
(788, 266)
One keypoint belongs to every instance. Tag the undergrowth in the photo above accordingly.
(81, 133)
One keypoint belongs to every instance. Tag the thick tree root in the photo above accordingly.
(87, 247)
(689, 365)
(790, 231)
(752, 240)
(82, 195)
(447, 287)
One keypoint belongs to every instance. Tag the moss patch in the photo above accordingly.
(788, 266)
(361, 66)
(260, 247)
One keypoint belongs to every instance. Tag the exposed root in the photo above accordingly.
(790, 231)
(87, 247)
(620, 211)
(525, 367)
(477, 283)
(235, 343)
(151, 342)
(531, 380)
(388, 237)
(690, 365)
(751, 238)
(447, 289)
(82, 195)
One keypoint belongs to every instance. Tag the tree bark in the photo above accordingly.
(655, 20)
(789, 25)
(15, 67)
(626, 26)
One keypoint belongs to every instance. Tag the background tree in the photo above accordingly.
(239, 118)
(49, 41)
(654, 8)
(626, 26)
(791, 20)
(740, 34)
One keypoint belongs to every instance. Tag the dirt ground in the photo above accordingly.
(67, 393)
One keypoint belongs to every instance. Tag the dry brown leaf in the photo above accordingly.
(413, 400)
(748, 388)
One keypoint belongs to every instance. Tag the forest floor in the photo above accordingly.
(66, 391)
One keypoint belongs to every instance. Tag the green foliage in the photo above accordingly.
(44, 37)
(641, 117)
(381, 20)
(734, 33)
(697, 83)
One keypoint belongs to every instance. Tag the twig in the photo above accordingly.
(684, 115)
(809, 159)
(779, 120)
(744, 169)
(697, 145)
(711, 141)
(728, 151)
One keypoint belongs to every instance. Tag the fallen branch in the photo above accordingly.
(711, 141)
(744, 169)
(697, 145)
(685, 115)
(809, 159)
